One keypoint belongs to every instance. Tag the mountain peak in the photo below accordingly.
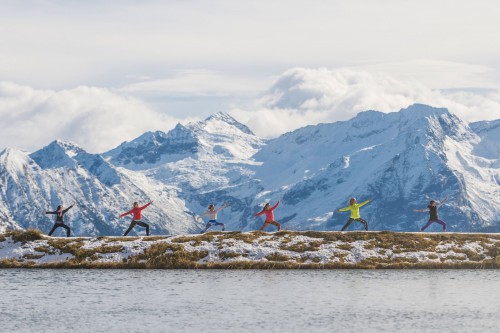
(225, 117)
(70, 148)
(423, 110)
(57, 154)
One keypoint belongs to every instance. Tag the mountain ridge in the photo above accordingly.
(402, 158)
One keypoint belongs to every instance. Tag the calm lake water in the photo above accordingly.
(249, 301)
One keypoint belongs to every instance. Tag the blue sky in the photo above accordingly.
(74, 66)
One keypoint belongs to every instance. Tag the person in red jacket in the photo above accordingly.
(269, 211)
(136, 219)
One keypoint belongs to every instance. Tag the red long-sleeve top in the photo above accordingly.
(269, 213)
(136, 212)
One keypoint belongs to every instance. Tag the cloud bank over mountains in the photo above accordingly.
(304, 96)
(101, 118)
(96, 117)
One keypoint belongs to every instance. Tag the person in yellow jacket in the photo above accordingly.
(354, 208)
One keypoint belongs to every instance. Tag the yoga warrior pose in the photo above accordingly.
(433, 214)
(269, 211)
(136, 219)
(354, 208)
(212, 216)
(60, 219)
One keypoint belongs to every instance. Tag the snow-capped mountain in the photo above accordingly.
(401, 159)
(63, 173)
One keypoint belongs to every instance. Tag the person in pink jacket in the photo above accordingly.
(269, 211)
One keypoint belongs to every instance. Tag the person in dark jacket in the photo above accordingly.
(432, 208)
(60, 219)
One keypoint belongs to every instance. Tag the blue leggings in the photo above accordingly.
(211, 223)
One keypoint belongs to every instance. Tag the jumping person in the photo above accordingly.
(432, 208)
(60, 219)
(354, 208)
(269, 211)
(212, 216)
(136, 219)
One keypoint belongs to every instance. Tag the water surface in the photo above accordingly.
(250, 300)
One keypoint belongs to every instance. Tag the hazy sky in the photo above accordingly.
(101, 72)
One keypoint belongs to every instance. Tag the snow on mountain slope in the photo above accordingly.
(402, 159)
(489, 132)
(216, 168)
(63, 173)
(218, 137)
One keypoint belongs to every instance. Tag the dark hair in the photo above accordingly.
(136, 203)
(211, 206)
(431, 202)
(265, 206)
(59, 207)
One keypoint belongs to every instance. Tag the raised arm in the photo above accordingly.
(222, 207)
(146, 205)
(364, 203)
(275, 206)
(64, 211)
(442, 202)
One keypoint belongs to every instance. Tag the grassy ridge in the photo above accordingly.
(254, 250)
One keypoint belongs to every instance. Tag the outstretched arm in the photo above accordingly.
(127, 213)
(222, 207)
(50, 212)
(345, 209)
(364, 203)
(146, 205)
(64, 211)
(442, 202)
(260, 213)
(275, 206)
(421, 210)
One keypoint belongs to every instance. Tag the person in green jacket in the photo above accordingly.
(354, 208)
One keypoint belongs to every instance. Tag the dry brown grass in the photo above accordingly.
(302, 247)
(223, 255)
(345, 246)
(172, 254)
(168, 255)
(120, 239)
(24, 236)
(30, 256)
(75, 247)
(277, 257)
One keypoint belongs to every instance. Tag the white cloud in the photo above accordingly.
(95, 118)
(304, 96)
(99, 119)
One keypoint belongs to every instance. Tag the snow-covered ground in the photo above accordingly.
(358, 249)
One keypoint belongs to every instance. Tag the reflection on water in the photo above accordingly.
(249, 301)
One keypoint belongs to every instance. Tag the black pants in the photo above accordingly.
(134, 223)
(57, 225)
(357, 220)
